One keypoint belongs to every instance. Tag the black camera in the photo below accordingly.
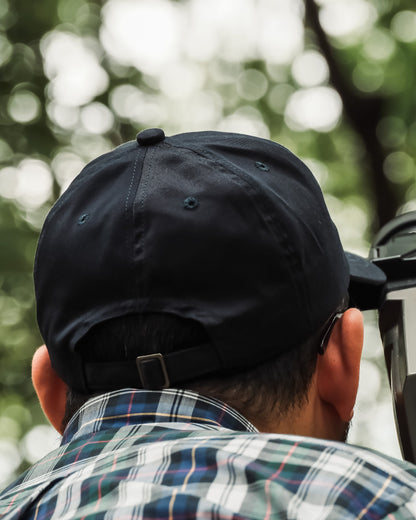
(394, 252)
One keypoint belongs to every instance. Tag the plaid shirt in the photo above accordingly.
(176, 455)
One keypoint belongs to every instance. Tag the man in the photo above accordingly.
(202, 360)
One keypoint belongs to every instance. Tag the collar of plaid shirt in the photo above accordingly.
(174, 455)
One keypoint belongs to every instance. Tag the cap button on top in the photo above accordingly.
(150, 136)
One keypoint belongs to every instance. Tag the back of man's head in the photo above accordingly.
(204, 260)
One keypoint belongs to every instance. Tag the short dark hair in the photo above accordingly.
(278, 385)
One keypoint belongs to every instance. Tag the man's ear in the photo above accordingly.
(338, 369)
(50, 388)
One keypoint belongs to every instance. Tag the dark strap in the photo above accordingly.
(154, 371)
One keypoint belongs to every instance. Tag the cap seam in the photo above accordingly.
(150, 157)
(139, 216)
(131, 242)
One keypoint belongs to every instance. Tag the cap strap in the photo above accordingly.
(154, 371)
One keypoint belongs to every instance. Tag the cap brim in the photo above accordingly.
(367, 282)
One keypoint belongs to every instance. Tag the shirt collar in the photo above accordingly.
(135, 407)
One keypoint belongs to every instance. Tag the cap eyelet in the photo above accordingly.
(261, 166)
(83, 219)
(190, 203)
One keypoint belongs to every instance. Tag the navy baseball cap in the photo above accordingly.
(226, 229)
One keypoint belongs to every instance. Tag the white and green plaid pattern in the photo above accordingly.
(174, 455)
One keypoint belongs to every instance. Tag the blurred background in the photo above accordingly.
(333, 80)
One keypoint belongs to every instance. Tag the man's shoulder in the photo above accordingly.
(221, 470)
(329, 460)
(324, 476)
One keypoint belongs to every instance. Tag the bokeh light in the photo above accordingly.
(317, 108)
(66, 165)
(319, 170)
(278, 97)
(399, 167)
(281, 37)
(181, 80)
(403, 26)
(23, 106)
(6, 153)
(96, 118)
(245, 120)
(252, 85)
(368, 77)
(76, 79)
(310, 69)
(39, 441)
(392, 131)
(5, 50)
(143, 34)
(29, 184)
(379, 45)
(352, 18)
(64, 117)
(10, 460)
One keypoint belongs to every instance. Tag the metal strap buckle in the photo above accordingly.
(141, 362)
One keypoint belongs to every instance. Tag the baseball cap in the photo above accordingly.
(226, 229)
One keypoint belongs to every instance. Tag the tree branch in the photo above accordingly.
(364, 114)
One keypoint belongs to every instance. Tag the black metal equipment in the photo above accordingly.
(394, 251)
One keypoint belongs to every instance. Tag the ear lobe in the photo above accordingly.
(338, 369)
(49, 387)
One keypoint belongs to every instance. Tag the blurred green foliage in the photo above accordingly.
(364, 162)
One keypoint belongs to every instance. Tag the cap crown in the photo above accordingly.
(226, 229)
